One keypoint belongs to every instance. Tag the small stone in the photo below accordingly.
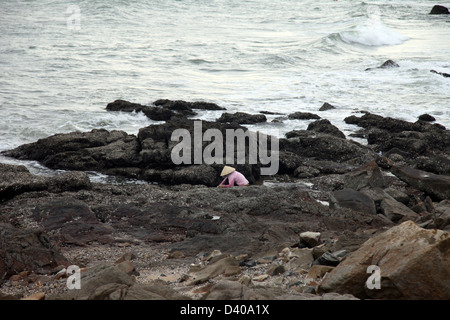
(245, 280)
(214, 254)
(194, 268)
(327, 259)
(175, 255)
(61, 274)
(312, 239)
(261, 278)
(35, 296)
(276, 270)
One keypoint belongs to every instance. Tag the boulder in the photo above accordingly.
(15, 180)
(413, 264)
(352, 199)
(226, 266)
(437, 186)
(442, 214)
(302, 116)
(311, 239)
(27, 250)
(368, 175)
(327, 259)
(321, 146)
(325, 126)
(241, 118)
(426, 117)
(396, 211)
(386, 65)
(418, 138)
(154, 113)
(326, 106)
(438, 9)
(299, 259)
(180, 105)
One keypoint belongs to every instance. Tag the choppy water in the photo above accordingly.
(61, 62)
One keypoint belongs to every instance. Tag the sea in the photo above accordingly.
(62, 62)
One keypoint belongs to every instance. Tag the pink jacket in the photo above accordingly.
(235, 177)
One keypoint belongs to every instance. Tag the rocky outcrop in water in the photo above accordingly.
(241, 118)
(438, 9)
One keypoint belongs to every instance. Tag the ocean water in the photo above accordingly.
(62, 62)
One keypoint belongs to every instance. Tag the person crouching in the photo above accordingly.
(232, 177)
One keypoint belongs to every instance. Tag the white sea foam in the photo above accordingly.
(372, 32)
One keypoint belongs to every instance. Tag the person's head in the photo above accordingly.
(227, 170)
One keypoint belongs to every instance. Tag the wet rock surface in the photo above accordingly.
(335, 208)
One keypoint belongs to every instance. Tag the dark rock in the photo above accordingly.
(327, 259)
(270, 112)
(438, 9)
(417, 139)
(445, 75)
(303, 116)
(79, 151)
(368, 175)
(15, 180)
(147, 156)
(352, 199)
(242, 118)
(71, 221)
(289, 162)
(396, 211)
(329, 166)
(386, 65)
(435, 163)
(437, 186)
(179, 104)
(369, 120)
(389, 64)
(304, 172)
(154, 113)
(427, 117)
(325, 126)
(276, 270)
(326, 106)
(323, 146)
(27, 250)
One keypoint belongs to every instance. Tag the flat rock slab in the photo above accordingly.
(437, 186)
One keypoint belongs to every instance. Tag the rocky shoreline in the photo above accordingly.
(335, 208)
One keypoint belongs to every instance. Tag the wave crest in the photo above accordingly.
(372, 33)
